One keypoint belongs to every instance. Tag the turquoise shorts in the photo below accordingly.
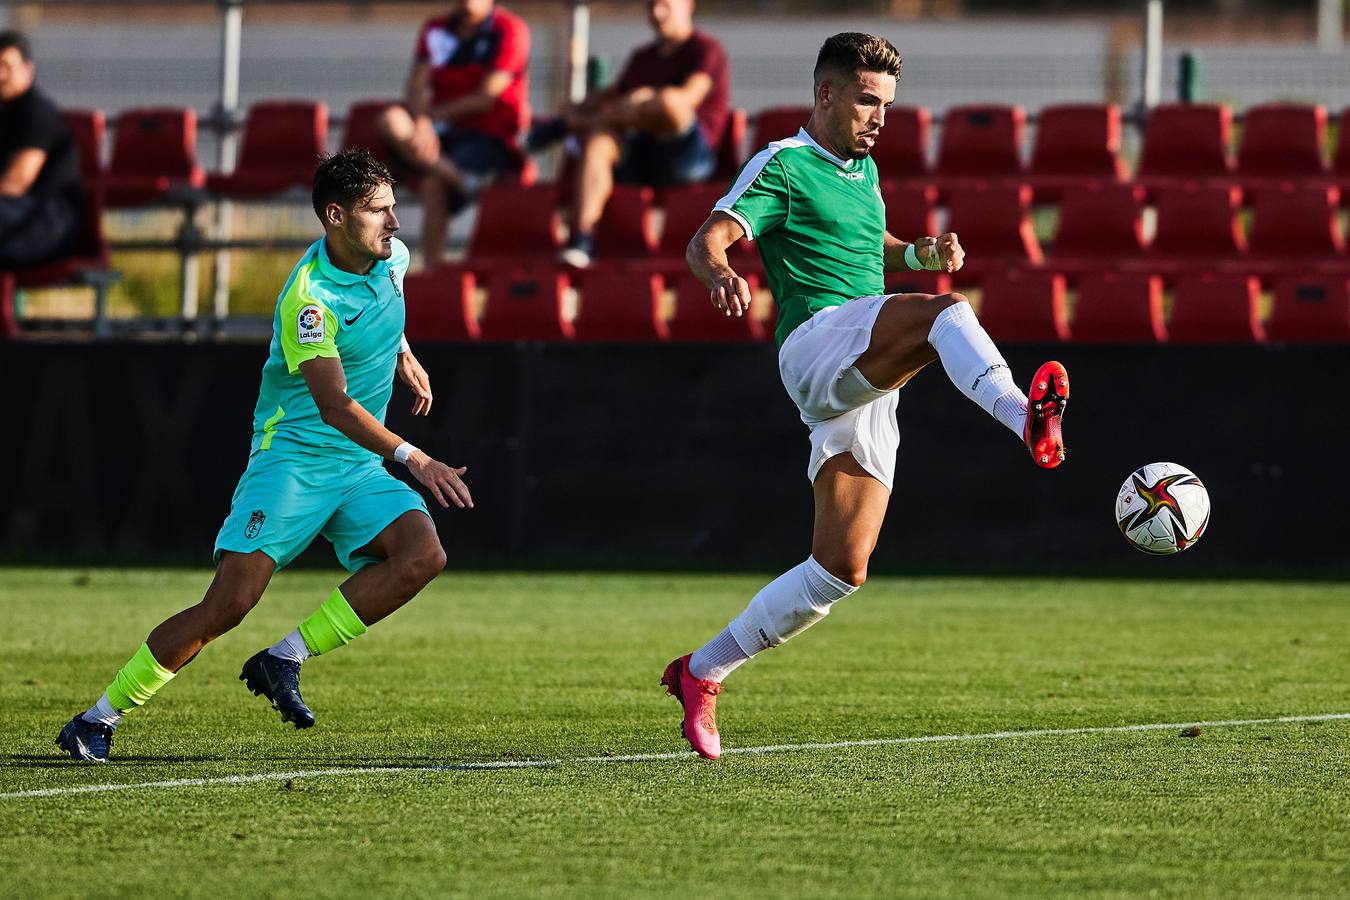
(284, 500)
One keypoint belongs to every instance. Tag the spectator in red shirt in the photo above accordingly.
(466, 104)
(658, 124)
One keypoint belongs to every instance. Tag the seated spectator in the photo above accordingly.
(658, 124)
(40, 195)
(466, 103)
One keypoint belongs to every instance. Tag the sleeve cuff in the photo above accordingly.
(740, 219)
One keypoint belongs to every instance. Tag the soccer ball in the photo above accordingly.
(1162, 508)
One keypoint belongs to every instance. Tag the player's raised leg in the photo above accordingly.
(850, 507)
(914, 329)
(409, 556)
(239, 582)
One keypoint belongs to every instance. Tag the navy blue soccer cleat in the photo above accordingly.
(278, 680)
(86, 741)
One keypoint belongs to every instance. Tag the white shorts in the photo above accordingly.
(843, 411)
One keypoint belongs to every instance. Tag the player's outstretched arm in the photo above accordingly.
(936, 254)
(327, 382)
(707, 259)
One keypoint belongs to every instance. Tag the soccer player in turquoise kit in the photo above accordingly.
(812, 202)
(316, 465)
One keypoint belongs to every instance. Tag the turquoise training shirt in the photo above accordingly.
(324, 311)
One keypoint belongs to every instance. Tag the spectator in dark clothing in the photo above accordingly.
(466, 103)
(40, 193)
(659, 124)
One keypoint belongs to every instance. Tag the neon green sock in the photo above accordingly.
(331, 625)
(137, 681)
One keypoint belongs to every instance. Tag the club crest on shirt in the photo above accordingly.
(309, 325)
(255, 524)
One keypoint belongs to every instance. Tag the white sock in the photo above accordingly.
(291, 647)
(102, 711)
(718, 658)
(976, 367)
(786, 606)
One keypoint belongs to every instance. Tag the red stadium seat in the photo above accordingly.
(1119, 308)
(901, 150)
(88, 126)
(911, 209)
(1340, 159)
(515, 223)
(1099, 225)
(627, 228)
(90, 253)
(1026, 305)
(730, 152)
(1311, 309)
(1294, 225)
(1186, 142)
(1197, 224)
(281, 147)
(154, 152)
(525, 303)
(697, 320)
(777, 123)
(440, 305)
(9, 324)
(620, 304)
(921, 281)
(1281, 142)
(687, 207)
(363, 128)
(1075, 144)
(994, 225)
(980, 142)
(1216, 308)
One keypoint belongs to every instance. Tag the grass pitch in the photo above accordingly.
(515, 667)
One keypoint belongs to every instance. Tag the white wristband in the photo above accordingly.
(912, 258)
(403, 451)
(403, 344)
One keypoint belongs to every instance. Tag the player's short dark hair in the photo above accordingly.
(16, 39)
(348, 177)
(851, 52)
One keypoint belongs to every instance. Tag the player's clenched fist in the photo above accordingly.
(731, 294)
(942, 253)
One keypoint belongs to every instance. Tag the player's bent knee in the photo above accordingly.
(845, 568)
(229, 609)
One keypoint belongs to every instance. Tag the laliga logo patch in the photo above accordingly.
(310, 325)
(393, 279)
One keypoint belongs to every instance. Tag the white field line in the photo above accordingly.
(658, 757)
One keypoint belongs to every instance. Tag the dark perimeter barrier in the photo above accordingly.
(693, 456)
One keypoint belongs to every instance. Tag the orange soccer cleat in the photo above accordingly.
(699, 699)
(1046, 401)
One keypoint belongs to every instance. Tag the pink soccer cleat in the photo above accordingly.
(699, 699)
(1046, 401)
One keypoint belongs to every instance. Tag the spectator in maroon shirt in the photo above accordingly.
(658, 124)
(466, 104)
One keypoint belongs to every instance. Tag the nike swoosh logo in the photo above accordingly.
(352, 320)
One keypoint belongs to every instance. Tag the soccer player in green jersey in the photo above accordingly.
(316, 465)
(812, 203)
